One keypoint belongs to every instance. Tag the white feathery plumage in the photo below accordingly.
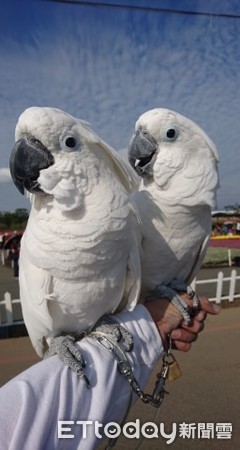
(178, 163)
(79, 256)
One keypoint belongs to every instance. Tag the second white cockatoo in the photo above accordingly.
(79, 255)
(178, 165)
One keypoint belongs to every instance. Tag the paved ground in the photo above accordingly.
(208, 391)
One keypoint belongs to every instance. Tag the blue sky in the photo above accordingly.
(108, 64)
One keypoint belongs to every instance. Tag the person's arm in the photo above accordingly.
(34, 402)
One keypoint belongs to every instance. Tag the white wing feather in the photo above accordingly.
(175, 203)
(79, 255)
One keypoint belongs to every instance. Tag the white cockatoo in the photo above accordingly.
(178, 165)
(79, 255)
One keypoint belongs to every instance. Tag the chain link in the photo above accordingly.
(156, 398)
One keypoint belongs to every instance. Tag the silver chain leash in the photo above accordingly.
(169, 370)
(156, 398)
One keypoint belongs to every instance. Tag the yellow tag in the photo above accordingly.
(174, 371)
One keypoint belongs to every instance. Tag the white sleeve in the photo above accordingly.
(34, 402)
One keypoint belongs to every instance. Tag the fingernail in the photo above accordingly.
(216, 308)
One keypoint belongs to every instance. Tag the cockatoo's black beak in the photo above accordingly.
(141, 151)
(28, 157)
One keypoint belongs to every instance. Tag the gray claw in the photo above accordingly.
(183, 307)
(196, 302)
(68, 352)
(163, 290)
(180, 286)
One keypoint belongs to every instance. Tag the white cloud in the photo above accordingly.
(5, 176)
(131, 63)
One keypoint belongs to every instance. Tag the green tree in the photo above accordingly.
(21, 215)
(14, 220)
(7, 219)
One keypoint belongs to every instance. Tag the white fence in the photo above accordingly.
(7, 312)
(219, 287)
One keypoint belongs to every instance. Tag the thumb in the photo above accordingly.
(209, 307)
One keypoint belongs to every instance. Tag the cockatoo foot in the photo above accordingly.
(116, 332)
(180, 286)
(171, 291)
(67, 350)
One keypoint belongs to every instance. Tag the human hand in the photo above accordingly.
(169, 321)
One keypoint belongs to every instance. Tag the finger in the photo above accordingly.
(184, 335)
(181, 346)
(205, 305)
(196, 327)
(200, 316)
(209, 307)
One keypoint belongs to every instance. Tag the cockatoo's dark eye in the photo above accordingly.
(171, 134)
(70, 142)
